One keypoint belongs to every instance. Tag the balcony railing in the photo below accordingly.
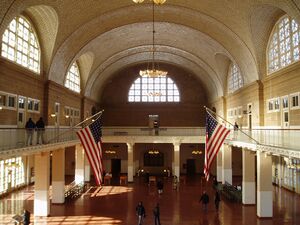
(13, 138)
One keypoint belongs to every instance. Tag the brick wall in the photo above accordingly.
(188, 112)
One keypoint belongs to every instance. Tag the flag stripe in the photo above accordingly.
(90, 137)
(90, 158)
(95, 151)
(215, 136)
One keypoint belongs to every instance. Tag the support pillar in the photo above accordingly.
(130, 162)
(41, 187)
(79, 164)
(58, 176)
(264, 185)
(227, 164)
(177, 159)
(280, 170)
(219, 165)
(248, 185)
(87, 170)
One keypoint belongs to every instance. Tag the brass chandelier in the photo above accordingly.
(158, 2)
(153, 73)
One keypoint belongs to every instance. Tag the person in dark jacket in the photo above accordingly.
(26, 217)
(156, 213)
(40, 127)
(205, 200)
(30, 126)
(140, 212)
(160, 186)
(217, 200)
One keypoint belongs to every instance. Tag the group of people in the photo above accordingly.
(205, 200)
(30, 127)
(141, 213)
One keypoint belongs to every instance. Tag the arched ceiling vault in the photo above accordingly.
(202, 38)
(109, 35)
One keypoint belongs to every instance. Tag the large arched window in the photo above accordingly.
(235, 80)
(19, 44)
(284, 44)
(73, 78)
(159, 89)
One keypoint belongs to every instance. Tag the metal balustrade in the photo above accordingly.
(14, 138)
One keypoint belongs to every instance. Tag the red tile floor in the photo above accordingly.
(116, 205)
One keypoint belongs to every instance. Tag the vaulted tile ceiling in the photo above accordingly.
(201, 36)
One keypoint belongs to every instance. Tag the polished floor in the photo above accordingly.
(116, 205)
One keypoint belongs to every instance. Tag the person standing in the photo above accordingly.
(140, 212)
(26, 217)
(217, 200)
(30, 125)
(40, 125)
(156, 213)
(205, 200)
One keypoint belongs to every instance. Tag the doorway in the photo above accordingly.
(190, 167)
(115, 168)
(249, 106)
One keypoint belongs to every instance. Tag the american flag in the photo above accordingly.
(90, 138)
(215, 136)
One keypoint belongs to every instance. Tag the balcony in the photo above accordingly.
(282, 140)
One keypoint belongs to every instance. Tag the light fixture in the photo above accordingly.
(153, 73)
(153, 152)
(110, 152)
(158, 2)
(67, 116)
(196, 152)
(1, 108)
(154, 94)
(53, 115)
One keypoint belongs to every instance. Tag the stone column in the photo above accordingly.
(280, 171)
(219, 165)
(87, 170)
(248, 185)
(79, 164)
(227, 164)
(130, 162)
(264, 185)
(177, 159)
(41, 187)
(58, 176)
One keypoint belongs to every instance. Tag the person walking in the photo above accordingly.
(217, 200)
(26, 217)
(160, 186)
(40, 126)
(205, 200)
(140, 212)
(156, 213)
(175, 182)
(29, 126)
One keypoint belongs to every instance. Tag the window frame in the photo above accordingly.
(71, 84)
(34, 56)
(235, 79)
(275, 103)
(278, 44)
(291, 101)
(153, 90)
(6, 101)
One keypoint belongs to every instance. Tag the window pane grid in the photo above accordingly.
(284, 46)
(73, 78)
(159, 89)
(18, 44)
(235, 80)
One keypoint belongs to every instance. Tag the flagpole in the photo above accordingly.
(96, 114)
(209, 111)
(77, 125)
